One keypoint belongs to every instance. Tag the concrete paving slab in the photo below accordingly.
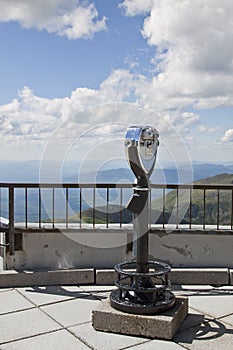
(161, 326)
(25, 324)
(157, 345)
(194, 318)
(210, 335)
(213, 305)
(11, 301)
(58, 340)
(227, 319)
(72, 312)
(104, 341)
(51, 294)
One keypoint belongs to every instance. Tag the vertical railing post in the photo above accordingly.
(164, 206)
(231, 209)
(177, 208)
(190, 208)
(67, 207)
(93, 209)
(11, 221)
(26, 207)
(107, 208)
(204, 208)
(218, 208)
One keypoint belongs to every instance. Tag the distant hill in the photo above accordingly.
(197, 209)
(115, 215)
(169, 175)
(99, 215)
(220, 179)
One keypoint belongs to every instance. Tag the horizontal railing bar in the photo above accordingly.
(65, 185)
(193, 186)
(115, 185)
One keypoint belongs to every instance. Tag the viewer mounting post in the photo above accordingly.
(142, 284)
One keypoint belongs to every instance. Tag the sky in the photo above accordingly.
(75, 74)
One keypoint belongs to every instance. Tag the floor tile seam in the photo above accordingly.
(58, 301)
(220, 319)
(51, 317)
(211, 319)
(31, 336)
(204, 313)
(93, 294)
(49, 303)
(134, 345)
(25, 297)
(79, 337)
(17, 311)
(182, 346)
(59, 323)
(77, 324)
(38, 307)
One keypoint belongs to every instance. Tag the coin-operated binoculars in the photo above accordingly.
(142, 284)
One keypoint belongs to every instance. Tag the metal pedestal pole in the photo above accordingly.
(142, 284)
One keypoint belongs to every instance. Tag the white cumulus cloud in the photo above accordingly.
(32, 120)
(228, 137)
(135, 7)
(209, 130)
(70, 18)
(193, 55)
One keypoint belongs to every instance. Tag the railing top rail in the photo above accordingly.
(116, 185)
(194, 186)
(65, 185)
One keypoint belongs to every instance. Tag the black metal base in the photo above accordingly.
(128, 305)
(142, 292)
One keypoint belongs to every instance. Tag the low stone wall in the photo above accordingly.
(101, 249)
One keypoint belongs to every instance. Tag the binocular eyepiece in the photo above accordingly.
(141, 145)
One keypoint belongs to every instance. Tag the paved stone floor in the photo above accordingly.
(59, 318)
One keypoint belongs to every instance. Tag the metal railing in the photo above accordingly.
(50, 206)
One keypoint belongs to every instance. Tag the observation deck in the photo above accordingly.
(57, 262)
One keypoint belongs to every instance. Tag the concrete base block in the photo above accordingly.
(161, 326)
(12, 278)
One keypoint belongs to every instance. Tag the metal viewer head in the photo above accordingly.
(141, 144)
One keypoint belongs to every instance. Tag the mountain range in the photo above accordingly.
(12, 171)
(29, 171)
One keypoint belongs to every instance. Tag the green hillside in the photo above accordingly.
(198, 211)
(115, 215)
(99, 215)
